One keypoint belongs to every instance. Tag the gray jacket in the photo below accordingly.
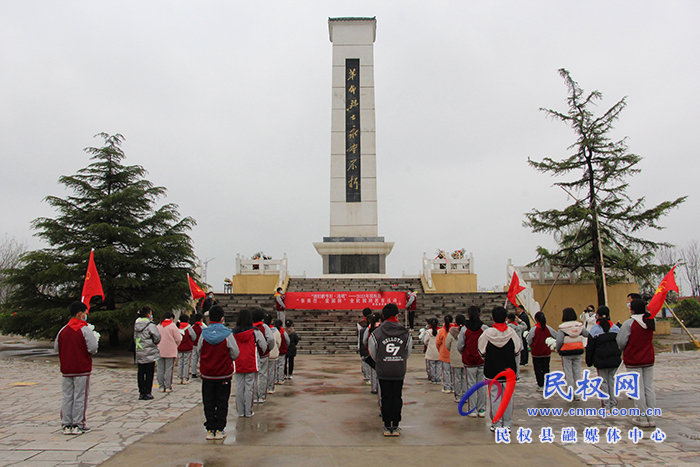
(390, 346)
(146, 338)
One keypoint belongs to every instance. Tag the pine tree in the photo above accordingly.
(142, 253)
(601, 228)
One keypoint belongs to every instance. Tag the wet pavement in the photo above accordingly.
(325, 416)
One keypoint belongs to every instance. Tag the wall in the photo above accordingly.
(579, 296)
(254, 284)
(454, 283)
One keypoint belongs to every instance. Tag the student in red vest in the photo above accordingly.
(468, 345)
(250, 342)
(184, 349)
(279, 304)
(411, 304)
(218, 350)
(635, 340)
(541, 351)
(261, 383)
(197, 327)
(75, 344)
(284, 345)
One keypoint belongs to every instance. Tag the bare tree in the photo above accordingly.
(691, 266)
(11, 251)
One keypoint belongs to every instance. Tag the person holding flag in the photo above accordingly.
(196, 292)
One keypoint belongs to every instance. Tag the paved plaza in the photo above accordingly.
(325, 416)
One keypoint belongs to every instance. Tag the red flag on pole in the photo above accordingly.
(667, 284)
(92, 285)
(195, 290)
(514, 289)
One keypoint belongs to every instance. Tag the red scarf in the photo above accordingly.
(166, 322)
(184, 325)
(75, 323)
(198, 322)
(500, 326)
(393, 319)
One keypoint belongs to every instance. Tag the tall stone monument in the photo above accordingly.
(353, 246)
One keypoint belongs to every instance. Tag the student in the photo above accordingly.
(411, 305)
(372, 324)
(361, 326)
(197, 327)
(284, 345)
(432, 355)
(75, 343)
(499, 345)
(279, 304)
(291, 349)
(390, 346)
(458, 373)
(541, 351)
(635, 339)
(170, 338)
(525, 318)
(250, 342)
(146, 339)
(570, 347)
(218, 350)
(273, 356)
(260, 393)
(444, 352)
(468, 345)
(603, 353)
(517, 325)
(184, 349)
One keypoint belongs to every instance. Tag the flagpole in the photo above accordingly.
(692, 337)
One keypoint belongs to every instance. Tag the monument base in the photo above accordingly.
(354, 255)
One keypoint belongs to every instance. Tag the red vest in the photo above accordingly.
(215, 361)
(72, 350)
(412, 306)
(470, 353)
(261, 327)
(539, 348)
(247, 361)
(283, 345)
(640, 349)
(186, 344)
(198, 331)
(278, 307)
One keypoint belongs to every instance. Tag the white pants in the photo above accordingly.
(460, 382)
(572, 369)
(475, 374)
(506, 419)
(245, 383)
(165, 372)
(647, 395)
(74, 404)
(183, 365)
(261, 380)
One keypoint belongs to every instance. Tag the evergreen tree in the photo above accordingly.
(602, 227)
(142, 253)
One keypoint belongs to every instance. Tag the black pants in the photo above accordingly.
(411, 317)
(289, 365)
(524, 353)
(392, 403)
(541, 366)
(145, 377)
(215, 395)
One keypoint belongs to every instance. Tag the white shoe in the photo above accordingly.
(67, 430)
(220, 434)
(211, 434)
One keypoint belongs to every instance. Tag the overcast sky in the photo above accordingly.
(228, 105)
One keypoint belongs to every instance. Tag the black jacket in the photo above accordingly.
(602, 351)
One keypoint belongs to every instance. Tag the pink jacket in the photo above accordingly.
(170, 339)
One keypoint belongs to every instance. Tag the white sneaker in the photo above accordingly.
(473, 414)
(67, 430)
(211, 434)
(220, 434)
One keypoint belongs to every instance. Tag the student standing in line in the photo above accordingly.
(373, 323)
(603, 352)
(291, 349)
(197, 327)
(519, 327)
(541, 351)
(170, 338)
(184, 349)
(75, 344)
(260, 394)
(432, 355)
(284, 345)
(458, 373)
(570, 347)
(361, 326)
(468, 345)
(525, 318)
(445, 367)
(218, 350)
(274, 356)
(146, 339)
(250, 342)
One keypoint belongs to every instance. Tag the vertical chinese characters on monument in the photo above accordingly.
(352, 130)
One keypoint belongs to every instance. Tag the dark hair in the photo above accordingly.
(289, 323)
(168, 315)
(448, 321)
(521, 307)
(366, 312)
(278, 289)
(267, 319)
(257, 314)
(389, 310)
(278, 323)
(638, 307)
(474, 313)
(510, 316)
(603, 318)
(568, 314)
(245, 318)
(216, 313)
(184, 318)
(145, 311)
(433, 324)
(197, 317)
(499, 314)
(372, 320)
(76, 307)
(634, 296)
(460, 320)
(541, 318)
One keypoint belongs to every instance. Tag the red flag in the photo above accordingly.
(92, 285)
(195, 290)
(514, 289)
(667, 284)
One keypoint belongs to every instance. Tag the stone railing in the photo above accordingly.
(446, 266)
(263, 266)
(527, 297)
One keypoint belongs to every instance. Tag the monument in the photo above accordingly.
(353, 246)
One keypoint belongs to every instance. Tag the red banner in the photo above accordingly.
(343, 300)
